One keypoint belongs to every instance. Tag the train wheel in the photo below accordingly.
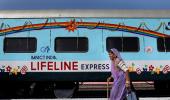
(43, 90)
(14, 89)
(24, 89)
(65, 89)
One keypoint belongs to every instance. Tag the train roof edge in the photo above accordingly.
(85, 13)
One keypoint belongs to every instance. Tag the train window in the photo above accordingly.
(163, 44)
(123, 44)
(20, 45)
(71, 44)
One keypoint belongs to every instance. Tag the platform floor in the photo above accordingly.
(146, 98)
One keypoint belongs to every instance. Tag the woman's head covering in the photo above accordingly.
(115, 73)
(116, 52)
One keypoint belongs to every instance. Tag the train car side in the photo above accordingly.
(60, 48)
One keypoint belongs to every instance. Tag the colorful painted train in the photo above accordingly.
(72, 45)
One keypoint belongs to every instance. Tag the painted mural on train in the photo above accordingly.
(81, 44)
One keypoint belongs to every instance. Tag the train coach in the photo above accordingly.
(60, 48)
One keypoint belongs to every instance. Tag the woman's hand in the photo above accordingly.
(128, 85)
(109, 79)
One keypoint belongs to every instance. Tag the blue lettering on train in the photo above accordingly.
(43, 57)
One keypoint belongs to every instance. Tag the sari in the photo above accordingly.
(118, 91)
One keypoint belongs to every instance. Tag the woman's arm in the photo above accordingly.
(123, 67)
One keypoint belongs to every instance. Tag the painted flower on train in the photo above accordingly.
(151, 67)
(131, 68)
(8, 69)
(157, 70)
(145, 68)
(138, 71)
(14, 70)
(23, 70)
(71, 26)
(166, 69)
(3, 66)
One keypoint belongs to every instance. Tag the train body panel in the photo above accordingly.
(76, 47)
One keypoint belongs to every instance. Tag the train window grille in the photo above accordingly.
(20, 45)
(71, 44)
(163, 44)
(130, 44)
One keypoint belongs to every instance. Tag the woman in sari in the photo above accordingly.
(120, 74)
